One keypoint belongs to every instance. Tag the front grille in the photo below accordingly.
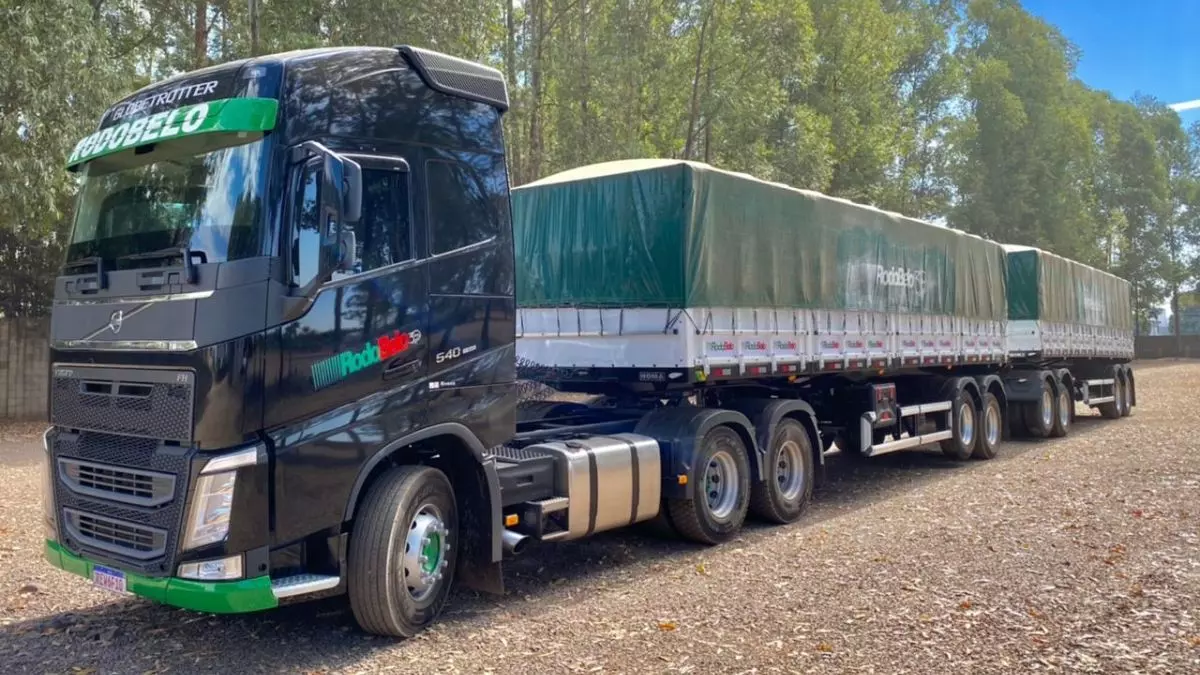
(131, 486)
(145, 403)
(120, 472)
(116, 536)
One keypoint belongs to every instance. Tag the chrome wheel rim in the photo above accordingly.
(789, 470)
(1047, 409)
(1064, 409)
(966, 424)
(425, 548)
(991, 421)
(720, 484)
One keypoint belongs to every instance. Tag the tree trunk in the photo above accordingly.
(694, 109)
(200, 35)
(254, 27)
(510, 72)
(585, 79)
(536, 149)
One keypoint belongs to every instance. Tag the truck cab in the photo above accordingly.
(287, 276)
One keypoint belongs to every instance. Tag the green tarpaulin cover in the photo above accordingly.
(1046, 287)
(666, 233)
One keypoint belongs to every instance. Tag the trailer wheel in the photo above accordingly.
(402, 551)
(1064, 407)
(964, 427)
(788, 475)
(720, 477)
(1039, 415)
(991, 428)
(1126, 395)
(1112, 409)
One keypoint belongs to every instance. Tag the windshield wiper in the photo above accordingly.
(189, 271)
(85, 285)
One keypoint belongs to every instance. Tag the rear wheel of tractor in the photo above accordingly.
(963, 426)
(788, 476)
(1039, 415)
(991, 428)
(720, 480)
(402, 551)
(1112, 409)
(1064, 408)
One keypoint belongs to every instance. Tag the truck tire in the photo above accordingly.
(991, 428)
(964, 418)
(403, 551)
(1112, 409)
(1039, 414)
(787, 475)
(1127, 398)
(720, 479)
(1064, 409)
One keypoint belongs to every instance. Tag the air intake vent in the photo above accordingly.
(118, 536)
(121, 484)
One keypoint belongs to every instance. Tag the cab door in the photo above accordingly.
(350, 365)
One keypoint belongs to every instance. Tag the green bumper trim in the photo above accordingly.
(219, 597)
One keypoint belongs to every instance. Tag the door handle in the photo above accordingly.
(393, 370)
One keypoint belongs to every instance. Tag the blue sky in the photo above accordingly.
(1133, 46)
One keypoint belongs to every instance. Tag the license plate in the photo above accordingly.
(109, 579)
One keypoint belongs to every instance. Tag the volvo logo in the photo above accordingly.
(115, 321)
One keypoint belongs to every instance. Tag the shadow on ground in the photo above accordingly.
(135, 636)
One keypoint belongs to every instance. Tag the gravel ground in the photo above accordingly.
(1074, 555)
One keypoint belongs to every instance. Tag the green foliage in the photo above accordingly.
(962, 111)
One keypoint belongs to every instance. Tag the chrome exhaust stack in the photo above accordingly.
(514, 542)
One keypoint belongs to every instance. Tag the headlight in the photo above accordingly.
(223, 569)
(212, 502)
(208, 518)
(49, 521)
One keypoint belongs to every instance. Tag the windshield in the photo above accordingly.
(210, 203)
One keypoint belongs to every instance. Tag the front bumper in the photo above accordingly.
(221, 597)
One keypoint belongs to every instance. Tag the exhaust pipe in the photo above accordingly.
(514, 542)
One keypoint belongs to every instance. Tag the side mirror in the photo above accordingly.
(341, 206)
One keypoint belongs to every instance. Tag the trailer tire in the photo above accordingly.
(405, 508)
(787, 475)
(1064, 409)
(713, 514)
(1127, 395)
(964, 426)
(1039, 415)
(1112, 409)
(991, 428)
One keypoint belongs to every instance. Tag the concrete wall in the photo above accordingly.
(1167, 346)
(24, 368)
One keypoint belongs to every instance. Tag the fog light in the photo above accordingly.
(222, 569)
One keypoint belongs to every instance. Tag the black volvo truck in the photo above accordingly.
(284, 359)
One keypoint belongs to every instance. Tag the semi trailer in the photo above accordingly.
(304, 336)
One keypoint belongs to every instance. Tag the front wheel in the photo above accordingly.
(720, 479)
(402, 551)
(788, 479)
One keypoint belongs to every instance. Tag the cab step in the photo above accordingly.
(303, 584)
